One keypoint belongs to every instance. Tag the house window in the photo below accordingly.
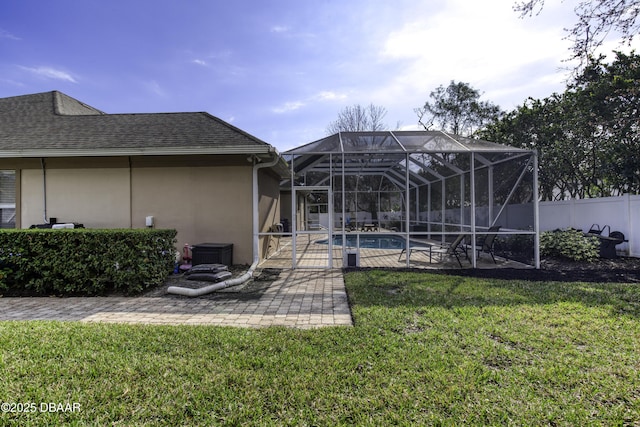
(7, 199)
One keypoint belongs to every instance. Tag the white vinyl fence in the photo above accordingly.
(619, 213)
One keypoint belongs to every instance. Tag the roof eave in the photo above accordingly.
(147, 151)
(268, 151)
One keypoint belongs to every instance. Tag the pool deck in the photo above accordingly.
(310, 254)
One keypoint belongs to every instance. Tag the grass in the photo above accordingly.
(426, 349)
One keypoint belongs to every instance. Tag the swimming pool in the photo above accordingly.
(372, 241)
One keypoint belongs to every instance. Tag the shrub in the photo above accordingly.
(85, 261)
(517, 247)
(570, 244)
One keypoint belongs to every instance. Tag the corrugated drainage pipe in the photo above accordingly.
(256, 245)
(177, 290)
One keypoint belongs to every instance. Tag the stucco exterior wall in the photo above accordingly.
(204, 203)
(269, 208)
(96, 197)
(285, 205)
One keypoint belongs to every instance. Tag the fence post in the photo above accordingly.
(626, 200)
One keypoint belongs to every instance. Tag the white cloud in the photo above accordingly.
(288, 107)
(279, 29)
(207, 59)
(155, 88)
(413, 126)
(473, 33)
(484, 44)
(609, 46)
(4, 34)
(12, 82)
(323, 96)
(51, 73)
(292, 33)
(328, 95)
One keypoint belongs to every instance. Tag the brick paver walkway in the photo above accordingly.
(298, 298)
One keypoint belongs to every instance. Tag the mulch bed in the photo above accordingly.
(620, 270)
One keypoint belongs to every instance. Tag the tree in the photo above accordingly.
(359, 118)
(361, 190)
(539, 125)
(457, 109)
(597, 21)
(588, 138)
(609, 98)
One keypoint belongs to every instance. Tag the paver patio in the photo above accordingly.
(301, 298)
(298, 298)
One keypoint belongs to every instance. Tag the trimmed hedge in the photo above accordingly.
(84, 261)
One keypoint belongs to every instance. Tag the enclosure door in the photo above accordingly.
(313, 228)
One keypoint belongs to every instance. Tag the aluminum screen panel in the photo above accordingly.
(400, 141)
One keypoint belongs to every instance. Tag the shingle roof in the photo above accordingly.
(52, 121)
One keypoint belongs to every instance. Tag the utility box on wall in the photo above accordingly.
(212, 253)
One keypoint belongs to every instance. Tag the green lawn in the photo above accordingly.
(425, 349)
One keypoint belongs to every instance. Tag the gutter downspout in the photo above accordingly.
(44, 188)
(130, 192)
(256, 244)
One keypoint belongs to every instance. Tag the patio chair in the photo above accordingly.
(454, 249)
(426, 248)
(485, 243)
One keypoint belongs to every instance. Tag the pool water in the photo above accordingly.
(372, 241)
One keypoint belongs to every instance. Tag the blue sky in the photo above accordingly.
(281, 70)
